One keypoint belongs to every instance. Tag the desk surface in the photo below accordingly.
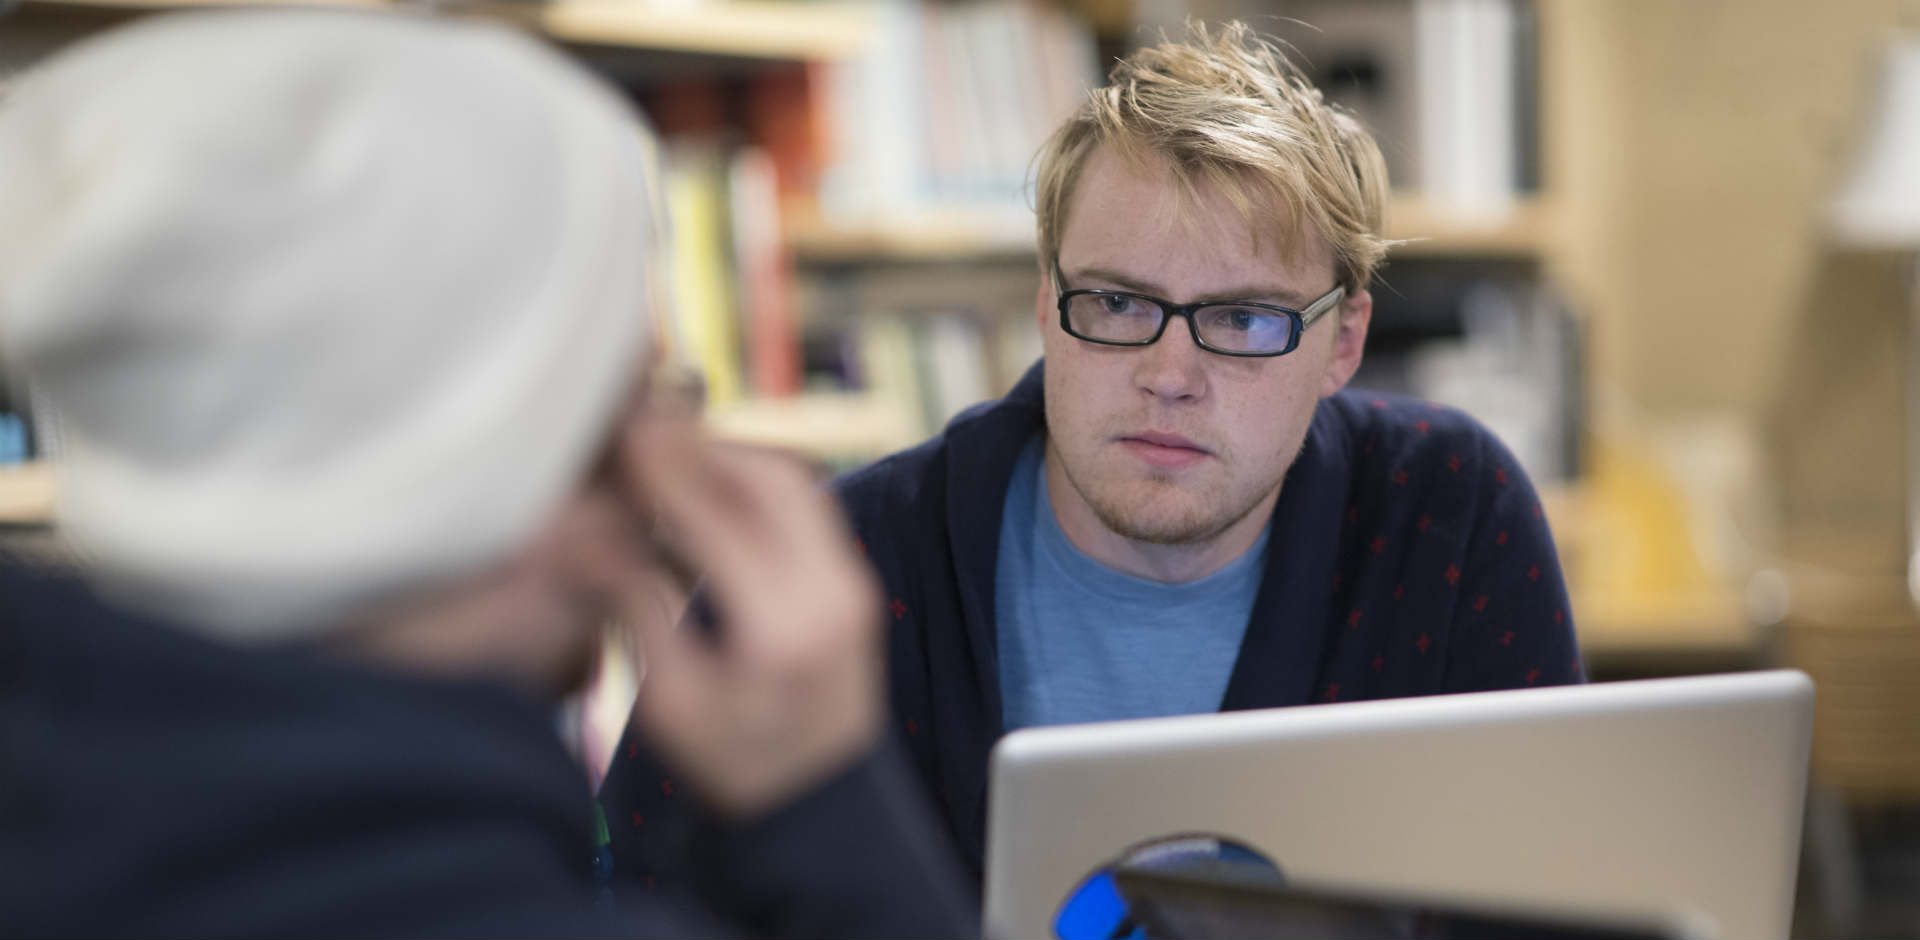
(1640, 593)
(1707, 628)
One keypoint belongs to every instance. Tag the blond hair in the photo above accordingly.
(1226, 110)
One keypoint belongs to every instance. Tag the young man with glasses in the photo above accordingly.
(1180, 509)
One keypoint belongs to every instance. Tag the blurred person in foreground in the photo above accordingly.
(1182, 509)
(343, 317)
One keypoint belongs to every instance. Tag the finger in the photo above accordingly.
(805, 584)
(756, 486)
(743, 516)
(680, 669)
(779, 562)
(684, 682)
(613, 567)
(668, 470)
(783, 498)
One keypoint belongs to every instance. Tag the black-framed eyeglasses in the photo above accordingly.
(1230, 328)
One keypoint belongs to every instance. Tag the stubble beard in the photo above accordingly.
(1138, 512)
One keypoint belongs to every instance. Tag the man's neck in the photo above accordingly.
(1187, 561)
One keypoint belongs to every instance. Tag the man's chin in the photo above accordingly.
(1160, 519)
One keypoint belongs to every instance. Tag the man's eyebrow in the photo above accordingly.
(1286, 296)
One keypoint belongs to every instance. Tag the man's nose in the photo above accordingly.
(1173, 368)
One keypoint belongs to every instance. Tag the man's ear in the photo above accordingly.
(1356, 314)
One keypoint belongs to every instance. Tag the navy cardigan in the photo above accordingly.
(1409, 556)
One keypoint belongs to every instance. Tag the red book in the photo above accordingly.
(787, 117)
(771, 322)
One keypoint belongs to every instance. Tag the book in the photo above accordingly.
(951, 352)
(704, 304)
(877, 114)
(764, 266)
(888, 368)
(787, 116)
(948, 108)
(1465, 59)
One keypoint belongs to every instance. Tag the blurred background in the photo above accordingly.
(1665, 248)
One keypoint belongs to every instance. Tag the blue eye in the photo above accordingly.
(1119, 304)
(1245, 329)
(1248, 320)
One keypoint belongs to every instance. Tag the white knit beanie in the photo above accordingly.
(333, 307)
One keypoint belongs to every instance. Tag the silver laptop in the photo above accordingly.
(1674, 799)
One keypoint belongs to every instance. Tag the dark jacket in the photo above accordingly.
(1408, 556)
(156, 783)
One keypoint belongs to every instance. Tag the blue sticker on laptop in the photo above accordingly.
(1097, 911)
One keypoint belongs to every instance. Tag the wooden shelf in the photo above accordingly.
(949, 234)
(26, 493)
(1523, 229)
(161, 6)
(762, 29)
(831, 426)
(753, 29)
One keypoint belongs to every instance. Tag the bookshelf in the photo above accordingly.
(824, 31)
(866, 242)
(1552, 229)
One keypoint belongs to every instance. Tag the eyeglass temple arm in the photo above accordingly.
(1324, 304)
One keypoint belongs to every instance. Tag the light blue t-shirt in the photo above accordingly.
(1080, 641)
